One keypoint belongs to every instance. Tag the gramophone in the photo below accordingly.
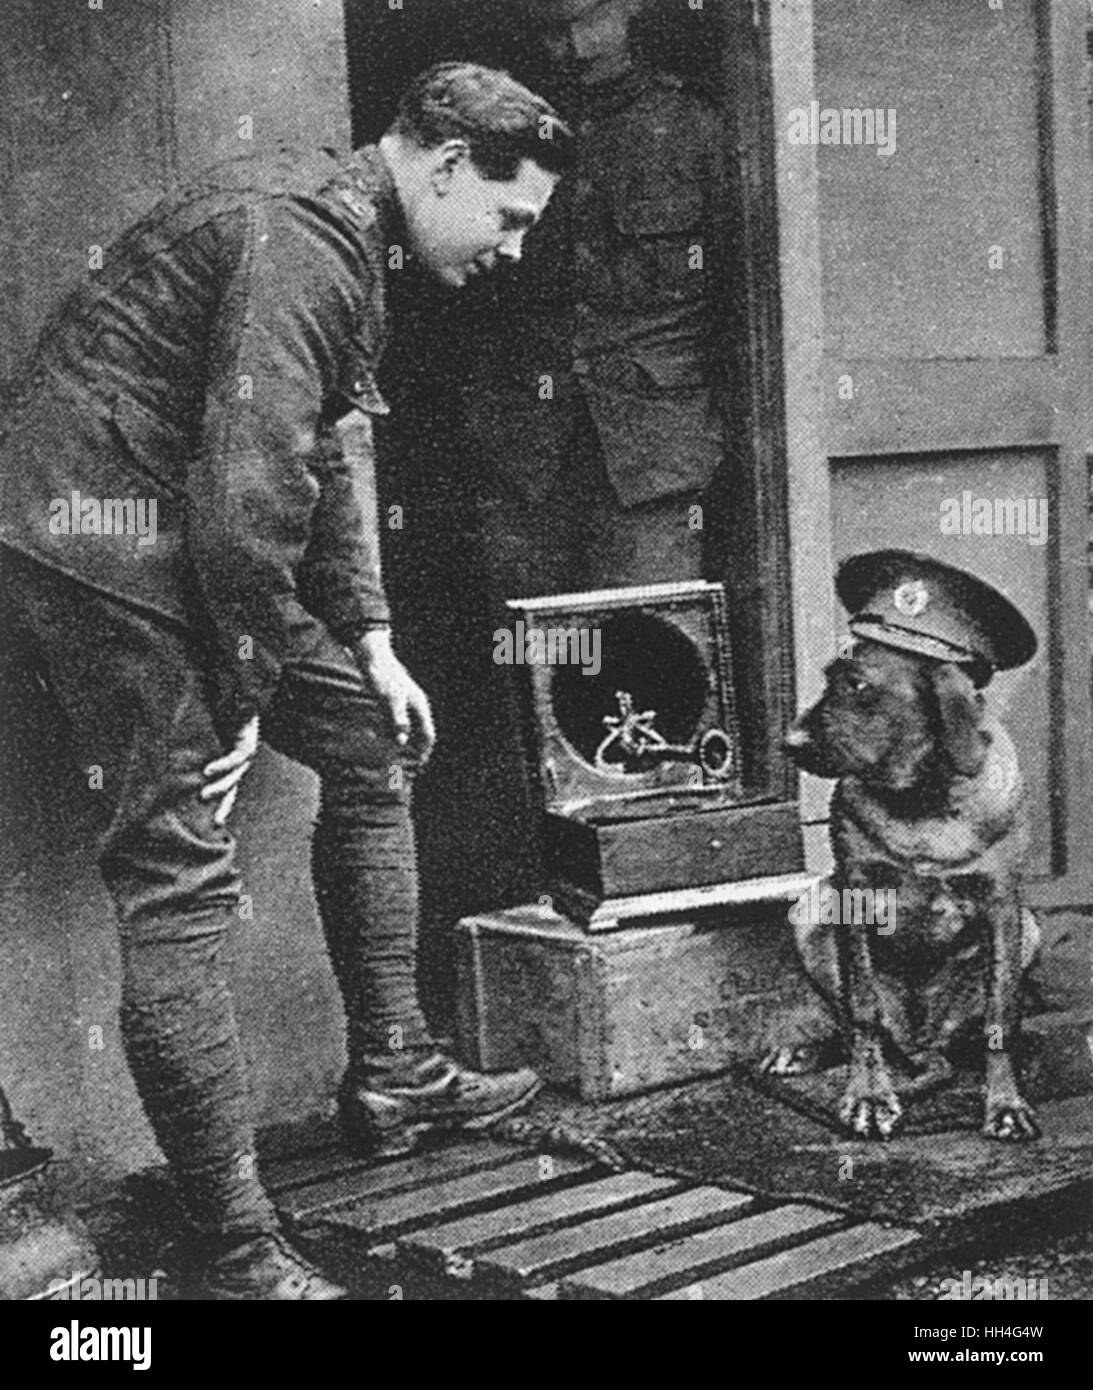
(637, 751)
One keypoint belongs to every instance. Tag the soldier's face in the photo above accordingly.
(596, 45)
(467, 225)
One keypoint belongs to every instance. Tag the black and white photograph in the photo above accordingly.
(547, 677)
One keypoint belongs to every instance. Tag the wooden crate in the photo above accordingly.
(623, 1011)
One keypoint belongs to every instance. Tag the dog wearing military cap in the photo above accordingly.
(928, 831)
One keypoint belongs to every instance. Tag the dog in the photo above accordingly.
(928, 806)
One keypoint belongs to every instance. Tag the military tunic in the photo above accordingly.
(222, 364)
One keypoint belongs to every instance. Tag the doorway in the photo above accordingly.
(477, 808)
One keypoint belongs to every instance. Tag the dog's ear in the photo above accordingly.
(960, 708)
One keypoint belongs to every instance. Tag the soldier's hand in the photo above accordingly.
(223, 776)
(406, 704)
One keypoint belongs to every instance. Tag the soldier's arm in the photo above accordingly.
(275, 354)
(339, 578)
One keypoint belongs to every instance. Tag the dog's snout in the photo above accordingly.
(804, 744)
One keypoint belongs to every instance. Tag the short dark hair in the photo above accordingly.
(502, 121)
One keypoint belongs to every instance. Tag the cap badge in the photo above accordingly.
(911, 598)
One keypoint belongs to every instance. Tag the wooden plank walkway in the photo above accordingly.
(496, 1221)
(481, 1219)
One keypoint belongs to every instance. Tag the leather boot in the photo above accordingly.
(388, 1119)
(265, 1269)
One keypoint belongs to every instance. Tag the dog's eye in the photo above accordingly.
(857, 685)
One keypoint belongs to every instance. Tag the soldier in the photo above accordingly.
(589, 390)
(214, 384)
(595, 412)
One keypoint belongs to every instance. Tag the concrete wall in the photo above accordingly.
(99, 110)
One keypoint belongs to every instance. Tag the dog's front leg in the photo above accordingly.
(1008, 1114)
(870, 1106)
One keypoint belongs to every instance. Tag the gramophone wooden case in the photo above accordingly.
(634, 731)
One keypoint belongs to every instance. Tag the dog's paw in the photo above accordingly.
(1011, 1119)
(791, 1061)
(871, 1116)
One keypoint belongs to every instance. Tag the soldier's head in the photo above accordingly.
(475, 157)
(590, 37)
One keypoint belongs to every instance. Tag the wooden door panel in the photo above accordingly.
(908, 233)
(912, 406)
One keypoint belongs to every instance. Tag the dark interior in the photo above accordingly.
(649, 659)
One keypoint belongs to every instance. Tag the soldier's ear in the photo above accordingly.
(447, 159)
(960, 717)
